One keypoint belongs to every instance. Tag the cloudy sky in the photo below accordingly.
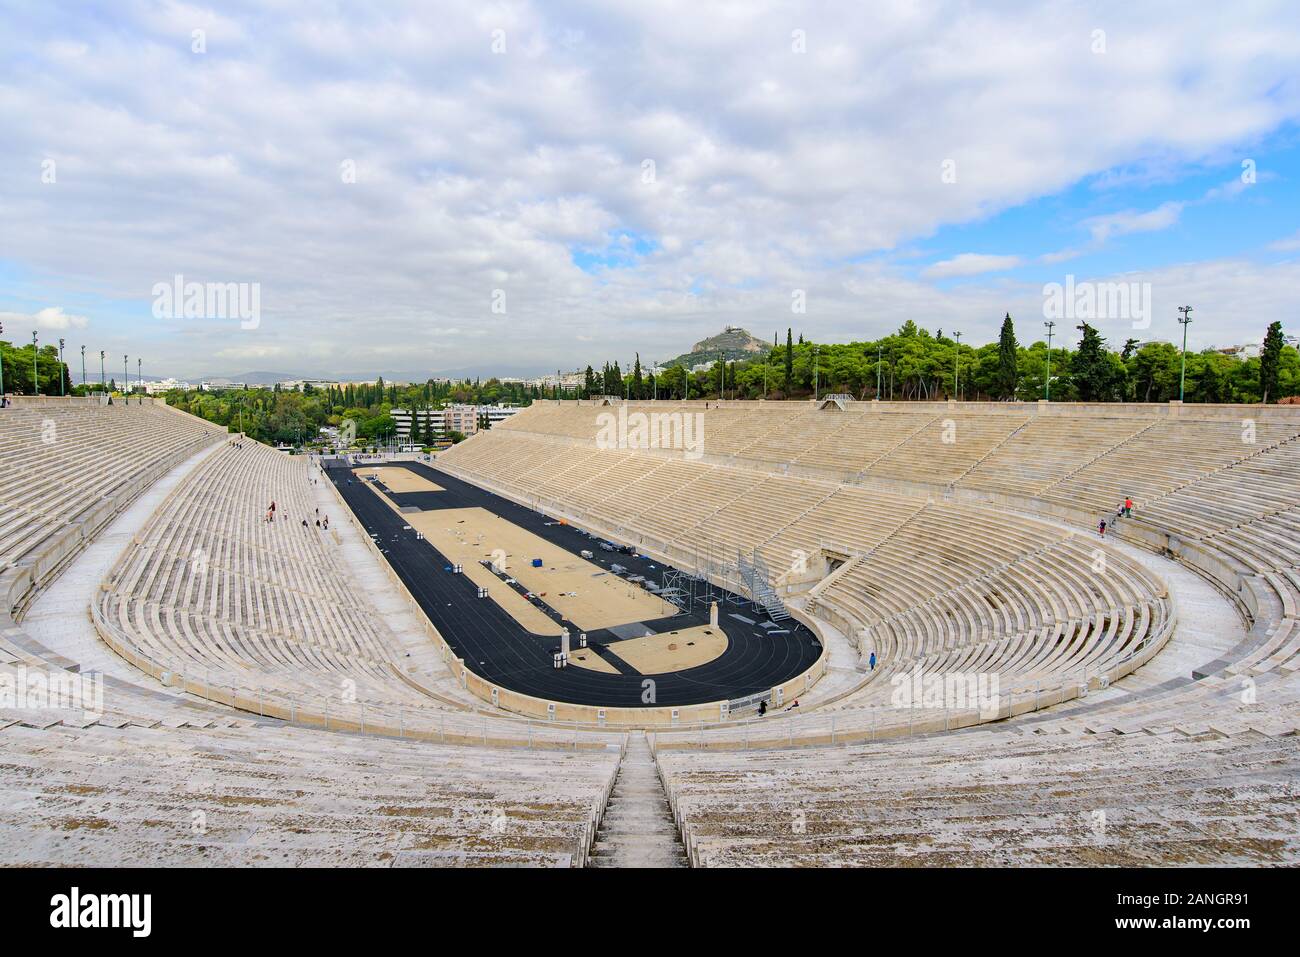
(519, 187)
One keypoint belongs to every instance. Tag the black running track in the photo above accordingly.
(502, 651)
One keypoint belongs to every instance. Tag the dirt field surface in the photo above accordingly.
(399, 480)
(582, 591)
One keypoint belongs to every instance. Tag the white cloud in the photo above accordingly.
(1127, 222)
(1287, 244)
(51, 317)
(970, 264)
(476, 171)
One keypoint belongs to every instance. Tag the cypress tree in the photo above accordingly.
(1091, 369)
(1008, 377)
(1270, 357)
(789, 361)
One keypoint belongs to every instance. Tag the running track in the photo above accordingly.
(500, 650)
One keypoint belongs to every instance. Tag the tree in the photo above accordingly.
(1269, 361)
(638, 391)
(1153, 371)
(1094, 374)
(1007, 366)
(429, 437)
(789, 361)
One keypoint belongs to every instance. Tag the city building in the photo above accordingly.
(464, 419)
(161, 385)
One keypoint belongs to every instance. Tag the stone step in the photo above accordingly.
(653, 842)
(637, 827)
(639, 857)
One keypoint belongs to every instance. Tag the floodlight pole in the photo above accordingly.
(83, 368)
(36, 376)
(126, 382)
(1184, 320)
(879, 367)
(103, 381)
(816, 349)
(1050, 326)
(61, 389)
(2, 371)
(138, 378)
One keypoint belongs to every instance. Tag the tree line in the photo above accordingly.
(288, 416)
(915, 364)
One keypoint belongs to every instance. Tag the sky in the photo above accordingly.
(517, 188)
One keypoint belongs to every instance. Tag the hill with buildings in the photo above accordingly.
(733, 343)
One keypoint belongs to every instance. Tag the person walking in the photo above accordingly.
(872, 661)
(1101, 528)
(1128, 507)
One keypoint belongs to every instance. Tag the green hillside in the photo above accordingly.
(733, 342)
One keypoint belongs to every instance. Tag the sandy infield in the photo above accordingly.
(582, 591)
(398, 480)
(659, 654)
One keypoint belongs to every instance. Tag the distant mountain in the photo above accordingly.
(733, 343)
(255, 378)
(368, 375)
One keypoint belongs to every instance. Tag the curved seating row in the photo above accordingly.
(213, 598)
(95, 769)
(67, 466)
(945, 585)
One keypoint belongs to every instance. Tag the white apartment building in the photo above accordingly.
(162, 385)
(454, 418)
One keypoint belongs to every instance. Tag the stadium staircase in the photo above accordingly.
(992, 450)
(862, 472)
(637, 828)
(833, 577)
(754, 574)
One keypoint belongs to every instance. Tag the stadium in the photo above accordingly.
(770, 648)
(558, 446)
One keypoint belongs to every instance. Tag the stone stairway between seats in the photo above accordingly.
(637, 829)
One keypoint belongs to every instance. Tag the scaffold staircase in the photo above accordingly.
(754, 574)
